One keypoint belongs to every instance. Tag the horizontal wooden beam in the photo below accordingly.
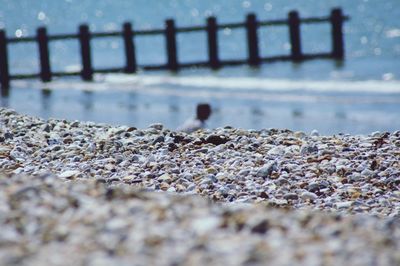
(278, 22)
(199, 64)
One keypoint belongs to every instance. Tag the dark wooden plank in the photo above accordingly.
(84, 39)
(110, 70)
(294, 34)
(337, 33)
(252, 40)
(149, 32)
(212, 40)
(130, 55)
(44, 54)
(58, 37)
(172, 53)
(25, 76)
(21, 39)
(4, 70)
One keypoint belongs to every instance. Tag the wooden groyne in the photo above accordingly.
(170, 31)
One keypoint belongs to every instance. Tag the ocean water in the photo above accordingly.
(360, 95)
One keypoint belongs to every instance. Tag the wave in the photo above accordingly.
(137, 82)
(255, 83)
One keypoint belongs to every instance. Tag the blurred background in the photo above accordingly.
(359, 96)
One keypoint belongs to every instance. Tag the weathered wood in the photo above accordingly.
(4, 71)
(252, 40)
(130, 55)
(170, 36)
(276, 22)
(337, 33)
(212, 40)
(84, 39)
(251, 25)
(294, 34)
(44, 54)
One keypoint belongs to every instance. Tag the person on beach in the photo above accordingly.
(203, 112)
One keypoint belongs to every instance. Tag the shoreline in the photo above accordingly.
(320, 199)
(330, 114)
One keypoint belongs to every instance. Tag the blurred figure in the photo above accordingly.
(203, 112)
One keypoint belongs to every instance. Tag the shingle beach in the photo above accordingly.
(80, 193)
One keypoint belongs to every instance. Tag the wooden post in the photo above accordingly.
(44, 55)
(212, 34)
(4, 71)
(294, 33)
(130, 56)
(170, 35)
(337, 33)
(252, 40)
(84, 39)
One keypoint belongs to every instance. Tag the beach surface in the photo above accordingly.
(83, 193)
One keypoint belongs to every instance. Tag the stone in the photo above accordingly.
(343, 205)
(157, 126)
(266, 170)
(244, 172)
(258, 166)
(164, 186)
(276, 151)
(216, 139)
(314, 133)
(299, 134)
(171, 189)
(355, 177)
(375, 134)
(75, 124)
(159, 139)
(165, 178)
(308, 196)
(261, 227)
(309, 149)
(290, 196)
(70, 174)
(8, 135)
(313, 187)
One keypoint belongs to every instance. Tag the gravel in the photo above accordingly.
(121, 195)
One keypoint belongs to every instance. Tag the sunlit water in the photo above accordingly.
(359, 96)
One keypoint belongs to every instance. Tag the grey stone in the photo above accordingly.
(266, 170)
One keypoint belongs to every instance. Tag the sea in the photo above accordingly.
(357, 96)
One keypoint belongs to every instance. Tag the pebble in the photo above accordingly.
(308, 196)
(216, 139)
(69, 174)
(308, 149)
(266, 170)
(314, 133)
(244, 172)
(313, 187)
(171, 189)
(158, 139)
(299, 134)
(343, 205)
(276, 151)
(165, 178)
(157, 126)
(375, 134)
(218, 164)
(291, 196)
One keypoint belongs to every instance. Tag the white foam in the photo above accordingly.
(137, 82)
(256, 83)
